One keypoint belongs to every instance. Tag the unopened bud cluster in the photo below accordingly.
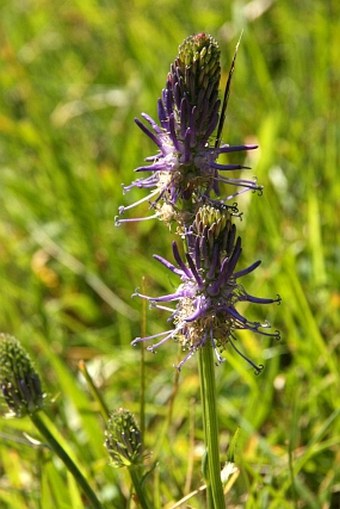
(20, 383)
(123, 439)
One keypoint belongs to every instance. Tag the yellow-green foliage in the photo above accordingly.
(73, 76)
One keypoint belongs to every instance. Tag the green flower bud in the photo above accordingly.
(20, 383)
(123, 439)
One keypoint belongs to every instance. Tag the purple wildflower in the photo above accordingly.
(206, 299)
(185, 170)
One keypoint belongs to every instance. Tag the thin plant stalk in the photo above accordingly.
(210, 423)
(94, 390)
(142, 368)
(138, 485)
(71, 466)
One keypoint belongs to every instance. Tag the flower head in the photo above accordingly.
(20, 384)
(206, 300)
(123, 439)
(185, 172)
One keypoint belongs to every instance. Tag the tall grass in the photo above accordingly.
(73, 76)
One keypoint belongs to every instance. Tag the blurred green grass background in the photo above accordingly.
(73, 76)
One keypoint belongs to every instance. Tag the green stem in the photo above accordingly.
(210, 424)
(39, 423)
(94, 390)
(135, 477)
(142, 367)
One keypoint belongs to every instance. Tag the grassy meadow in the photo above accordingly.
(74, 74)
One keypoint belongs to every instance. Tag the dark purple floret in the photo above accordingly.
(207, 298)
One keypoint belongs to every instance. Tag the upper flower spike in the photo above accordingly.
(185, 172)
(208, 295)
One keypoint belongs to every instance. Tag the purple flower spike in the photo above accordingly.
(185, 171)
(206, 300)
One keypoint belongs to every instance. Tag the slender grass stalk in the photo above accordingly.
(39, 422)
(138, 485)
(210, 423)
(142, 368)
(94, 391)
